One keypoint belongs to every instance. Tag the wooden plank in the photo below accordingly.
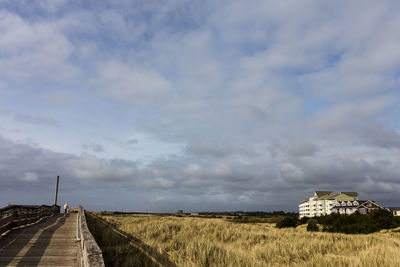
(59, 242)
(39, 260)
(49, 243)
(50, 251)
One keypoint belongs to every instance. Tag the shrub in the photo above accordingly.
(312, 226)
(383, 218)
(288, 222)
(357, 223)
(303, 220)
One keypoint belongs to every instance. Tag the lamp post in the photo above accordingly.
(56, 195)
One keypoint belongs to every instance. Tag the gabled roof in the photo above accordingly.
(327, 197)
(360, 203)
(323, 193)
(350, 194)
(373, 202)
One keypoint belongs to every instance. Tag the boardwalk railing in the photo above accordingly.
(15, 216)
(91, 255)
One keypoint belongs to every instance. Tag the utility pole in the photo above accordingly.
(56, 195)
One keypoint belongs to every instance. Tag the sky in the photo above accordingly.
(159, 106)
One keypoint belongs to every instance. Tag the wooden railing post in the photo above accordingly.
(14, 216)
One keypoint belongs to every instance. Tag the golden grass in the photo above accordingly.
(189, 241)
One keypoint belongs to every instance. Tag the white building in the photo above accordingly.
(322, 202)
(396, 211)
(349, 207)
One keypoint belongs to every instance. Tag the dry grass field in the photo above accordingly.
(189, 241)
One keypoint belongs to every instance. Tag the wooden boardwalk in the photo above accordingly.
(49, 243)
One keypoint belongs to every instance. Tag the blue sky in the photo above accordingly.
(198, 105)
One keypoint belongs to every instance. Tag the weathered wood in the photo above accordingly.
(14, 216)
(49, 243)
(91, 255)
(52, 242)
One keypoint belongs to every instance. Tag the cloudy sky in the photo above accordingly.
(198, 105)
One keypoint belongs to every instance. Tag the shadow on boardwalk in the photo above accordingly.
(122, 249)
(29, 242)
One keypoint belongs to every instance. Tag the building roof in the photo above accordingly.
(328, 197)
(323, 193)
(360, 203)
(350, 194)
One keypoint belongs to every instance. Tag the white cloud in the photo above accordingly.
(217, 103)
(193, 168)
(88, 166)
(51, 5)
(133, 84)
(30, 177)
(33, 49)
(350, 115)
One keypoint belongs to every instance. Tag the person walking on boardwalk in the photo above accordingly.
(66, 207)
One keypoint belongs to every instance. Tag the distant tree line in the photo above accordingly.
(251, 213)
(355, 223)
(216, 213)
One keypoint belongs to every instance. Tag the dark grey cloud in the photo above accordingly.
(297, 148)
(375, 134)
(216, 184)
(93, 147)
(130, 143)
(133, 141)
(217, 149)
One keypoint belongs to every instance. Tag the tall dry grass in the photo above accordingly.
(191, 241)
